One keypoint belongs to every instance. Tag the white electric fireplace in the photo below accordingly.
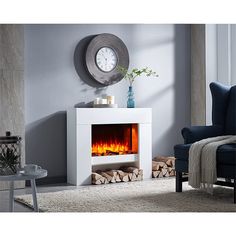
(103, 137)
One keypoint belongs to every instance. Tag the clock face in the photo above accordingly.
(106, 59)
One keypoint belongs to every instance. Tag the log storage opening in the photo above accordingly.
(124, 174)
(163, 167)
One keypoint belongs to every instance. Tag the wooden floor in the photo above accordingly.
(4, 196)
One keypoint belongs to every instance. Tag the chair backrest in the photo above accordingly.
(224, 107)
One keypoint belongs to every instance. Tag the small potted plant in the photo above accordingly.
(9, 162)
(130, 76)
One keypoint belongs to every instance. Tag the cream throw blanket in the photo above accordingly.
(202, 161)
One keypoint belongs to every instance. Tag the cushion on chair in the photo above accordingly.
(220, 96)
(230, 122)
(226, 154)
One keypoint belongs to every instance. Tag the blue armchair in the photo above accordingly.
(224, 123)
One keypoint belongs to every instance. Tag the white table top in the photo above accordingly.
(17, 177)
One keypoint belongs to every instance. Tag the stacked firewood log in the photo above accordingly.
(163, 167)
(124, 174)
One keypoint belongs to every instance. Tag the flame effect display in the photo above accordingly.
(114, 140)
(110, 148)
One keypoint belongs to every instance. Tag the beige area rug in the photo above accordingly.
(157, 195)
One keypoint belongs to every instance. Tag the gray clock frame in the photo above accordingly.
(118, 46)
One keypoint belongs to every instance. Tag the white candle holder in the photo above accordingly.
(110, 99)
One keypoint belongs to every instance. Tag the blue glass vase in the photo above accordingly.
(130, 101)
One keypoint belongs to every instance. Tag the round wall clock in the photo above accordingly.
(104, 54)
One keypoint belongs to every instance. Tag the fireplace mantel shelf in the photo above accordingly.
(79, 158)
(113, 115)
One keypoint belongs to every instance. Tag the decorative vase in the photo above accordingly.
(130, 101)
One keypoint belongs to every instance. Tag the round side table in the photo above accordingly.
(18, 177)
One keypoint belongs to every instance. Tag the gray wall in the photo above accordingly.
(12, 84)
(52, 84)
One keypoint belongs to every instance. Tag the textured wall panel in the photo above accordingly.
(12, 84)
(198, 75)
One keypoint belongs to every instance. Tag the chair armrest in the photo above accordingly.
(196, 133)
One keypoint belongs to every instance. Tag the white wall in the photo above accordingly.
(221, 53)
(52, 84)
(220, 58)
(233, 54)
(211, 66)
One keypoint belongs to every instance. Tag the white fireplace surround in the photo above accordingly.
(79, 157)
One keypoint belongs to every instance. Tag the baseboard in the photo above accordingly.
(49, 180)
